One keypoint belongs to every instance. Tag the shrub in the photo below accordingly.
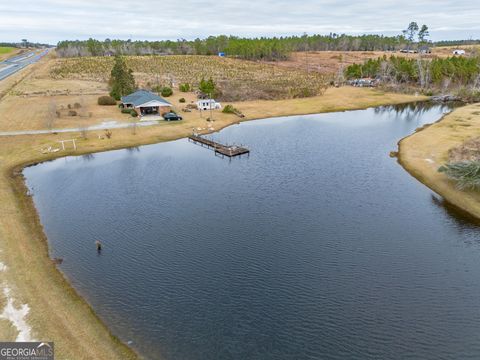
(77, 105)
(126, 111)
(465, 173)
(185, 87)
(72, 113)
(106, 100)
(229, 109)
(182, 100)
(133, 112)
(166, 91)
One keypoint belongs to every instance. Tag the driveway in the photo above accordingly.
(103, 126)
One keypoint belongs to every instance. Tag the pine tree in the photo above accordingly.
(207, 87)
(423, 33)
(121, 81)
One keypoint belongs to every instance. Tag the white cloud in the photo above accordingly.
(54, 20)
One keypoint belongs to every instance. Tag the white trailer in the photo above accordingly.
(208, 104)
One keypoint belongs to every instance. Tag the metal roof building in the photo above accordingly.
(146, 103)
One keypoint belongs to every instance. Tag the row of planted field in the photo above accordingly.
(236, 79)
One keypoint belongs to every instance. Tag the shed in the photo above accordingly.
(146, 103)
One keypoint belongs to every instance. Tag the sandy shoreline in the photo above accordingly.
(56, 312)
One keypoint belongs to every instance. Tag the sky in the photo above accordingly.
(49, 21)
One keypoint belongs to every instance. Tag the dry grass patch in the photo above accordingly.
(331, 62)
(454, 137)
(35, 113)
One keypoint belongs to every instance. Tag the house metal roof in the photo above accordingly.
(141, 97)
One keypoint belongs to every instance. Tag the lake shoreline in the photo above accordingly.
(24, 236)
(424, 151)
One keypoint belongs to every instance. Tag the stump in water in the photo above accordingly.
(98, 244)
(57, 261)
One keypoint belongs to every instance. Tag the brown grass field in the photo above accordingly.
(56, 312)
(331, 62)
(237, 79)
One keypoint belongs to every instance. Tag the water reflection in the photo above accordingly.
(461, 217)
(133, 149)
(88, 157)
(413, 111)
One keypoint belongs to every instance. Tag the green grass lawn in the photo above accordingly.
(6, 49)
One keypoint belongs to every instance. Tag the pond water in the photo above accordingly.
(316, 246)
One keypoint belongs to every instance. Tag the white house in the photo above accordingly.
(208, 104)
(146, 103)
(458, 52)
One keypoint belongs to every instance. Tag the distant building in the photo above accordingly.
(208, 104)
(221, 54)
(364, 82)
(146, 103)
(458, 52)
(408, 51)
(424, 49)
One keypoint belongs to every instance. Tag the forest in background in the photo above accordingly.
(457, 73)
(276, 48)
(269, 49)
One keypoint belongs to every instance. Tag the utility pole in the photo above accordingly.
(211, 112)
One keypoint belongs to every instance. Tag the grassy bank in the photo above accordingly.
(424, 152)
(55, 311)
(7, 51)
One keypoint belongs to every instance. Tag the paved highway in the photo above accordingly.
(16, 63)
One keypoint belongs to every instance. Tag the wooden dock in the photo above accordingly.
(224, 150)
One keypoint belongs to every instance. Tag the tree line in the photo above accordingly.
(439, 72)
(23, 44)
(270, 49)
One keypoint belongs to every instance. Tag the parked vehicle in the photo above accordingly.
(171, 116)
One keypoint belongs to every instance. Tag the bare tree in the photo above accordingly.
(422, 73)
